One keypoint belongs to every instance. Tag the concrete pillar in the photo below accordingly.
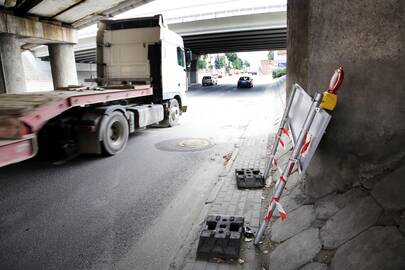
(297, 45)
(365, 138)
(63, 65)
(12, 77)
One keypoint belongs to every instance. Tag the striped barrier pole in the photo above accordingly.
(279, 133)
(288, 169)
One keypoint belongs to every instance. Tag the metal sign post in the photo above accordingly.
(304, 121)
(289, 167)
(279, 133)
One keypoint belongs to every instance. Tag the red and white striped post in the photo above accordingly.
(288, 169)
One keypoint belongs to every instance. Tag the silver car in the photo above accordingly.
(209, 80)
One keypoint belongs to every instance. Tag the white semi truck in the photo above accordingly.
(141, 77)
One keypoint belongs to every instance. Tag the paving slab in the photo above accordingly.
(353, 219)
(315, 266)
(296, 221)
(375, 249)
(389, 192)
(296, 251)
(402, 224)
(331, 204)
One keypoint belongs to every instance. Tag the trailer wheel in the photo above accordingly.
(173, 115)
(115, 134)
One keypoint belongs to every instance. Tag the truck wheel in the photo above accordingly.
(173, 115)
(115, 134)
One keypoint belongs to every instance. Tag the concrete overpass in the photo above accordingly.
(232, 30)
(254, 32)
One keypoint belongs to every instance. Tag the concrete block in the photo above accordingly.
(249, 178)
(296, 222)
(350, 221)
(296, 251)
(389, 192)
(331, 204)
(375, 249)
(315, 266)
(221, 237)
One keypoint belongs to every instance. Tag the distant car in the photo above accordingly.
(245, 81)
(220, 76)
(254, 72)
(209, 80)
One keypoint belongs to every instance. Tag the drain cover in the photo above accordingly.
(193, 143)
(184, 145)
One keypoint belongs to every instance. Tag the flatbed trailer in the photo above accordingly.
(141, 77)
(23, 115)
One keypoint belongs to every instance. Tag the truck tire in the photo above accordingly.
(173, 115)
(115, 134)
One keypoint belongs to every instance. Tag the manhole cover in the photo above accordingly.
(193, 143)
(184, 145)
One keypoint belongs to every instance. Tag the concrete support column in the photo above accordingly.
(12, 77)
(63, 65)
(365, 138)
(297, 45)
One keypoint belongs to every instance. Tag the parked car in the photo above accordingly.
(245, 81)
(209, 80)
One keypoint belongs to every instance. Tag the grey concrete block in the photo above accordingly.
(389, 192)
(211, 266)
(199, 265)
(297, 221)
(402, 224)
(350, 221)
(315, 266)
(331, 204)
(188, 266)
(296, 251)
(375, 249)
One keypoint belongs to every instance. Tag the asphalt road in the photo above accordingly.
(129, 211)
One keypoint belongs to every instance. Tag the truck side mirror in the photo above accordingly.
(189, 57)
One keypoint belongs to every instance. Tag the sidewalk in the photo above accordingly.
(227, 199)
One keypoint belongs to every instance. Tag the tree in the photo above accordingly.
(220, 62)
(231, 57)
(238, 63)
(202, 62)
(246, 63)
(270, 56)
(228, 67)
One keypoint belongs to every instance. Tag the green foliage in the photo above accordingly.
(231, 57)
(278, 72)
(228, 67)
(270, 56)
(237, 63)
(202, 62)
(220, 62)
(246, 63)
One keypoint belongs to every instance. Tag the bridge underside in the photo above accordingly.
(238, 41)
